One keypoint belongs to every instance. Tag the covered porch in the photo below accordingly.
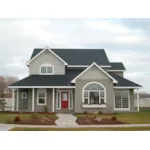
(33, 99)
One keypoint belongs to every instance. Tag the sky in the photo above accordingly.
(124, 40)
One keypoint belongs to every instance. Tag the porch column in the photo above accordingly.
(53, 100)
(13, 99)
(32, 100)
(138, 103)
(17, 100)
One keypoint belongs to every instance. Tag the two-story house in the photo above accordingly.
(75, 81)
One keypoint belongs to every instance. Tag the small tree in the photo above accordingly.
(2, 101)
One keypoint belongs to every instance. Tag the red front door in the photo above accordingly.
(64, 99)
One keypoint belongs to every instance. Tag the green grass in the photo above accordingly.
(142, 117)
(5, 117)
(83, 129)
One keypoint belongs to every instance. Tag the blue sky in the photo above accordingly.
(125, 40)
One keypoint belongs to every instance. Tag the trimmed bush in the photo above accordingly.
(85, 112)
(114, 118)
(17, 118)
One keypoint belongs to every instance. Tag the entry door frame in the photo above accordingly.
(70, 98)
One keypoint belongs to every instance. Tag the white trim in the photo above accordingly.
(46, 65)
(38, 104)
(30, 87)
(13, 99)
(17, 100)
(138, 103)
(84, 66)
(22, 95)
(53, 99)
(46, 48)
(71, 100)
(116, 70)
(127, 87)
(74, 80)
(93, 90)
(94, 106)
(123, 109)
(33, 99)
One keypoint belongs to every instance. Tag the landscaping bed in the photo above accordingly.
(97, 121)
(28, 118)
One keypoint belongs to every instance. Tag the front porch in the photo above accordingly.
(36, 99)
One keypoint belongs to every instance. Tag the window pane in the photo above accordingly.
(101, 93)
(43, 69)
(102, 101)
(118, 100)
(85, 100)
(58, 102)
(85, 93)
(41, 100)
(125, 103)
(49, 69)
(94, 97)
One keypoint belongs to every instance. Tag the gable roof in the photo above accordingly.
(94, 64)
(116, 66)
(79, 56)
(35, 54)
(123, 82)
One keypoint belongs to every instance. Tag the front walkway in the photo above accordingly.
(66, 120)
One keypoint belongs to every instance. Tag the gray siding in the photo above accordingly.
(119, 73)
(27, 104)
(94, 75)
(22, 103)
(46, 57)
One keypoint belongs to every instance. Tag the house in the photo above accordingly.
(73, 80)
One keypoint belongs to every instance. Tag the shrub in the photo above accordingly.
(113, 118)
(99, 112)
(17, 118)
(45, 109)
(85, 112)
(34, 116)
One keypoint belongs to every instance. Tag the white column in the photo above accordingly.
(53, 99)
(138, 102)
(17, 100)
(13, 99)
(33, 100)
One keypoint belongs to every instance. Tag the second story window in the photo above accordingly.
(46, 69)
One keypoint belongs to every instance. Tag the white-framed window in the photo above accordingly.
(58, 100)
(94, 93)
(24, 95)
(46, 69)
(122, 100)
(41, 96)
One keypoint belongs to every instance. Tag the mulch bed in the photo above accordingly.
(91, 121)
(37, 121)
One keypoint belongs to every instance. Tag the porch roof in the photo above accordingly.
(65, 80)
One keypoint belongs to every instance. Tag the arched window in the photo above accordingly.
(94, 93)
(46, 69)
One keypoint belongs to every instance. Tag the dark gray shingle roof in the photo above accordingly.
(123, 81)
(117, 66)
(79, 56)
(65, 80)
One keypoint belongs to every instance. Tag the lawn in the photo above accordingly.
(142, 117)
(83, 129)
(5, 117)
